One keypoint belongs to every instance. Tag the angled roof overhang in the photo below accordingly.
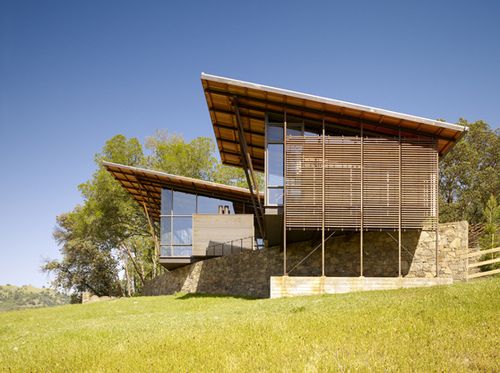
(145, 187)
(254, 100)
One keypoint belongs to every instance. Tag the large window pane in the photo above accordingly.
(166, 201)
(176, 250)
(275, 164)
(274, 133)
(165, 231)
(275, 197)
(182, 230)
(165, 250)
(208, 205)
(294, 129)
(184, 203)
(182, 250)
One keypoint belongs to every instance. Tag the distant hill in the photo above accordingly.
(19, 297)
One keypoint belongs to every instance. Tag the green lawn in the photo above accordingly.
(450, 328)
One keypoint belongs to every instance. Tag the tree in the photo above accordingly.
(470, 173)
(84, 267)
(108, 244)
(107, 234)
(172, 154)
(491, 235)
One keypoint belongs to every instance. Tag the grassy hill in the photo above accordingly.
(19, 297)
(450, 328)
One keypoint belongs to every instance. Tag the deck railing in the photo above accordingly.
(236, 246)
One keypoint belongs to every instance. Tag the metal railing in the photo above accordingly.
(236, 246)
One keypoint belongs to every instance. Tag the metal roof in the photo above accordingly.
(145, 187)
(254, 100)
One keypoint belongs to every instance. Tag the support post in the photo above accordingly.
(249, 172)
(284, 195)
(323, 204)
(436, 202)
(399, 202)
(362, 211)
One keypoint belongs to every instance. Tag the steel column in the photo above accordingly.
(399, 204)
(323, 206)
(284, 194)
(249, 172)
(436, 201)
(362, 211)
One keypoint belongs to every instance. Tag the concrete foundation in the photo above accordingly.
(287, 286)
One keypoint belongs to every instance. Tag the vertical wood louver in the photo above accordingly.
(379, 186)
(304, 180)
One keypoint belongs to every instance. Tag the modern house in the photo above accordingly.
(332, 169)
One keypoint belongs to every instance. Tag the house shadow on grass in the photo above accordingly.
(186, 296)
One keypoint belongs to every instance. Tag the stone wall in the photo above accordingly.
(248, 274)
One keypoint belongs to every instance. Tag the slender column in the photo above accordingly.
(284, 195)
(323, 205)
(399, 204)
(249, 173)
(436, 202)
(362, 211)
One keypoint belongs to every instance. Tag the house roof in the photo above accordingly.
(145, 186)
(254, 100)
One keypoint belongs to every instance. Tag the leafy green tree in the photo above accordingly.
(470, 173)
(83, 267)
(491, 235)
(106, 235)
(108, 244)
(172, 154)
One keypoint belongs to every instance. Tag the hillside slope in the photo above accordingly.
(451, 328)
(19, 297)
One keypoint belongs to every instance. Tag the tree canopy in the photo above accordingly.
(470, 174)
(107, 244)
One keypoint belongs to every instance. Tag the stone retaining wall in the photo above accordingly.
(248, 274)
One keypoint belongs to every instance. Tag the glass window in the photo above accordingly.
(182, 230)
(294, 129)
(275, 196)
(313, 128)
(182, 250)
(166, 201)
(184, 203)
(169, 250)
(165, 231)
(165, 250)
(275, 164)
(274, 133)
(274, 117)
(207, 205)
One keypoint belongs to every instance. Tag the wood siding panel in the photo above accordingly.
(210, 230)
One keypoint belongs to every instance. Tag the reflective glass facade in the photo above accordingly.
(176, 223)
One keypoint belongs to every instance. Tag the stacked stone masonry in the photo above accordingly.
(248, 274)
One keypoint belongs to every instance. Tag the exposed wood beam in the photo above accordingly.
(320, 112)
(221, 139)
(243, 115)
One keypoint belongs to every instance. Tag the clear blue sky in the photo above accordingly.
(75, 73)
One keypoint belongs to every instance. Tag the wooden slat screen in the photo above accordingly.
(381, 183)
(304, 181)
(419, 178)
(343, 182)
(343, 185)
